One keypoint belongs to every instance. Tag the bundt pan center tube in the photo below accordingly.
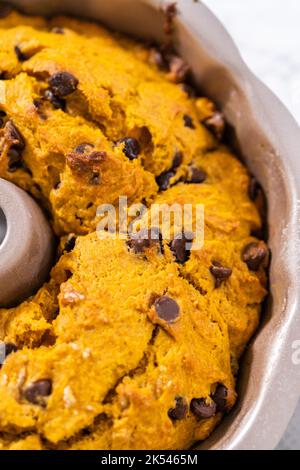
(26, 245)
(269, 140)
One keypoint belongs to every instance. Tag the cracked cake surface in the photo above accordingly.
(132, 343)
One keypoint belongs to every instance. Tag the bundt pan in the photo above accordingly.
(269, 141)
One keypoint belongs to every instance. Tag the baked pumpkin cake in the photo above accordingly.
(131, 344)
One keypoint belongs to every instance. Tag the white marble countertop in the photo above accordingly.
(267, 33)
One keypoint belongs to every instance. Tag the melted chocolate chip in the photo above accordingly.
(36, 391)
(188, 121)
(180, 410)
(220, 397)
(197, 176)
(163, 180)
(70, 244)
(216, 124)
(132, 147)
(220, 273)
(201, 409)
(5, 9)
(177, 160)
(57, 103)
(167, 309)
(180, 247)
(144, 239)
(254, 254)
(62, 84)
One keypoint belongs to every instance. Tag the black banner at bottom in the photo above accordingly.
(136, 459)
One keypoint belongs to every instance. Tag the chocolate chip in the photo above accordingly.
(144, 239)
(188, 121)
(84, 148)
(36, 391)
(220, 397)
(16, 145)
(70, 243)
(21, 57)
(216, 124)
(14, 136)
(62, 84)
(132, 147)
(177, 160)
(163, 180)
(201, 409)
(167, 309)
(5, 9)
(14, 159)
(180, 246)
(180, 410)
(220, 273)
(57, 103)
(254, 254)
(85, 163)
(197, 176)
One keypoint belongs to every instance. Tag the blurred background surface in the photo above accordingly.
(267, 33)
